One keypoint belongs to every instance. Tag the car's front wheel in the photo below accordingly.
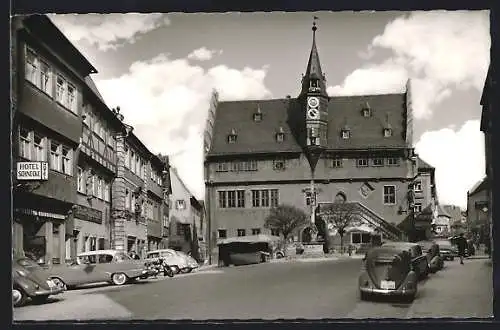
(363, 295)
(186, 270)
(18, 297)
(175, 269)
(119, 278)
(59, 283)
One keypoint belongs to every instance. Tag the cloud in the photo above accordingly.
(203, 54)
(439, 50)
(108, 31)
(458, 156)
(167, 101)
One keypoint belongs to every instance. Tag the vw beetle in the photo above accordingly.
(418, 259)
(388, 271)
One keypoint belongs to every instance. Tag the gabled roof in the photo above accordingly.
(442, 212)
(289, 114)
(479, 186)
(423, 164)
(91, 84)
(42, 27)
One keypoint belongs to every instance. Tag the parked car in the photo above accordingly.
(30, 281)
(388, 271)
(191, 263)
(89, 267)
(434, 258)
(448, 251)
(174, 260)
(418, 259)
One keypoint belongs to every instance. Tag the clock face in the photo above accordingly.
(313, 113)
(313, 102)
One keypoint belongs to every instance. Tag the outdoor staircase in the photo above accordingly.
(386, 228)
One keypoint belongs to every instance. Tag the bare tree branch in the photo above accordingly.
(285, 219)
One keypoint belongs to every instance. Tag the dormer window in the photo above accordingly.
(280, 136)
(346, 134)
(257, 116)
(367, 111)
(387, 132)
(231, 138)
(387, 127)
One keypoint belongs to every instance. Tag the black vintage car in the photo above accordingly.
(447, 250)
(388, 271)
(418, 259)
(434, 258)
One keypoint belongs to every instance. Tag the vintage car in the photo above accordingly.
(434, 259)
(172, 258)
(418, 259)
(192, 264)
(30, 281)
(447, 249)
(89, 267)
(388, 271)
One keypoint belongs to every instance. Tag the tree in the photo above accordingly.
(339, 216)
(285, 219)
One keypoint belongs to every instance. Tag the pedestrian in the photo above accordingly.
(461, 243)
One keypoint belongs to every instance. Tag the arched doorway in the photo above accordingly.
(340, 198)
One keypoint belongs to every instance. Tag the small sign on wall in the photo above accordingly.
(32, 170)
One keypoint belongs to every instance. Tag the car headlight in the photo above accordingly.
(22, 272)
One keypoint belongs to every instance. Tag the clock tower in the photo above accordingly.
(315, 104)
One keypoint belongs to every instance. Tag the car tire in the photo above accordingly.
(363, 296)
(175, 269)
(119, 278)
(60, 283)
(18, 297)
(40, 299)
(186, 270)
(279, 255)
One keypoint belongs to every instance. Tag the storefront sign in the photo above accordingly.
(88, 214)
(32, 171)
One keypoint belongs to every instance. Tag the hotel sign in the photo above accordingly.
(32, 170)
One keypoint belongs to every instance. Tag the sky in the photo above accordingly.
(161, 68)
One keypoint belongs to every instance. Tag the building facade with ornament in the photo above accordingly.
(306, 151)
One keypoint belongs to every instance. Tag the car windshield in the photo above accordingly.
(120, 257)
(25, 262)
(153, 255)
(444, 243)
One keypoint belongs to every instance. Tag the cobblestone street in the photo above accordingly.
(272, 291)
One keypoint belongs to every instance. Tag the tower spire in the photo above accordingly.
(314, 79)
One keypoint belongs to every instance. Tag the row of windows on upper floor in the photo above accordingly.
(92, 184)
(237, 199)
(35, 146)
(137, 165)
(51, 81)
(241, 232)
(345, 133)
(149, 208)
(281, 164)
(265, 198)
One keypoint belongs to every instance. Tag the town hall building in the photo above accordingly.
(309, 151)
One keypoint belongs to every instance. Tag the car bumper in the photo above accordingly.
(43, 292)
(384, 292)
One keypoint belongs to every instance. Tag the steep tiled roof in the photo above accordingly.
(442, 212)
(93, 87)
(479, 186)
(423, 164)
(289, 114)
